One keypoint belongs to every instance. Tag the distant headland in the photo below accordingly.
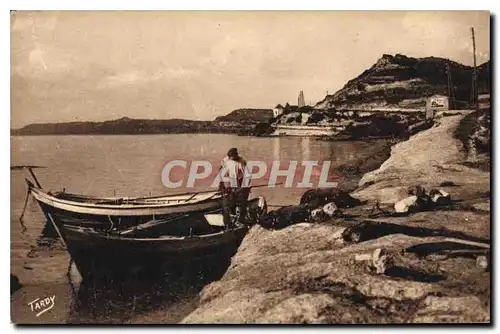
(394, 85)
(240, 121)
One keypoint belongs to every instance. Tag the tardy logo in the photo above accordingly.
(42, 305)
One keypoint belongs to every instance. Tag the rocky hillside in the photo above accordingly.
(396, 82)
(247, 115)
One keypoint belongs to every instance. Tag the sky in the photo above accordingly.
(95, 66)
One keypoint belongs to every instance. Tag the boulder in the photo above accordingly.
(267, 221)
(257, 208)
(376, 261)
(447, 184)
(379, 259)
(440, 197)
(418, 191)
(408, 204)
(459, 309)
(330, 209)
(318, 215)
(315, 198)
(284, 217)
(482, 262)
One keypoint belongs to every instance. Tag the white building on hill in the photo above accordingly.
(278, 110)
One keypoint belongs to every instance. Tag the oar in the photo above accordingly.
(200, 192)
(209, 191)
(264, 185)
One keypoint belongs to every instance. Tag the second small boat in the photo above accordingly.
(101, 256)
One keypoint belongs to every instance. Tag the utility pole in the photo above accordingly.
(451, 95)
(474, 72)
(449, 79)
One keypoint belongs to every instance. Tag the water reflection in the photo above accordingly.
(160, 295)
(166, 300)
(305, 146)
(286, 148)
(276, 149)
(140, 296)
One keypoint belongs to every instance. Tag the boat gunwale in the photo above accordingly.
(130, 198)
(48, 198)
(92, 233)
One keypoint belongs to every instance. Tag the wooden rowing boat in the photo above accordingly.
(122, 212)
(99, 255)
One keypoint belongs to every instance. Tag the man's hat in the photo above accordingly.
(233, 152)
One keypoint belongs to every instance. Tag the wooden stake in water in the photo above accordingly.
(65, 246)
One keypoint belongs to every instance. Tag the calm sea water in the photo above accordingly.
(125, 166)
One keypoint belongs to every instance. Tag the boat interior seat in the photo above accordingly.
(194, 225)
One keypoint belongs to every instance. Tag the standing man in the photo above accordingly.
(235, 186)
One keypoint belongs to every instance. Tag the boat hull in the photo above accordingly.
(123, 215)
(104, 257)
(66, 217)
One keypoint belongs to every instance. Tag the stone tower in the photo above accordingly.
(301, 101)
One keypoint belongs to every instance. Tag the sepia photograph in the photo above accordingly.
(250, 167)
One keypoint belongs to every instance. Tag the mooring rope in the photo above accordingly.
(68, 275)
(23, 226)
(112, 224)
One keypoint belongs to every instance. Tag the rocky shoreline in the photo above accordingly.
(426, 267)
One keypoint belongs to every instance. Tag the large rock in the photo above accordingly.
(307, 274)
(451, 310)
(304, 308)
(330, 209)
(440, 197)
(285, 216)
(318, 215)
